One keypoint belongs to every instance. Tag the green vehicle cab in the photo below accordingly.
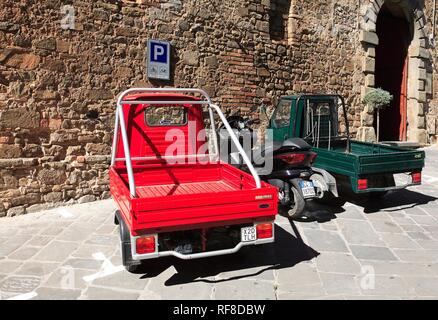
(358, 167)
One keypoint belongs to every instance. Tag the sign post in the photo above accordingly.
(158, 62)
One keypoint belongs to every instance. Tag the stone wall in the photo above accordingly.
(59, 79)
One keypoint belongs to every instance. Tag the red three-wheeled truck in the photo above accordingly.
(175, 198)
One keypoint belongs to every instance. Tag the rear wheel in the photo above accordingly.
(130, 264)
(132, 268)
(297, 208)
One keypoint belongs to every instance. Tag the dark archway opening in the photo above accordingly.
(391, 73)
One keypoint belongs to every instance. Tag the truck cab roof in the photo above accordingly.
(160, 96)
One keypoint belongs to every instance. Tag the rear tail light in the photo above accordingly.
(362, 184)
(312, 157)
(145, 244)
(264, 230)
(416, 177)
(292, 158)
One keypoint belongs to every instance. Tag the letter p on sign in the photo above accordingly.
(158, 52)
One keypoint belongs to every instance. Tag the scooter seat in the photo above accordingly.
(297, 143)
(293, 144)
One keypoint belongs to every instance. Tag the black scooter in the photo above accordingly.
(291, 163)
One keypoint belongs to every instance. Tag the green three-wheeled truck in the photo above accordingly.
(356, 168)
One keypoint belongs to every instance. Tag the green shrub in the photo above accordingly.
(378, 98)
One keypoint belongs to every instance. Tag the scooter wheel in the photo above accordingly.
(297, 208)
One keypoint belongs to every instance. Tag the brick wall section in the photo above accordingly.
(53, 82)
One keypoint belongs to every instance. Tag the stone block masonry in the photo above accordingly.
(61, 69)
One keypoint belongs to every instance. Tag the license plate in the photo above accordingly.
(308, 189)
(402, 179)
(248, 234)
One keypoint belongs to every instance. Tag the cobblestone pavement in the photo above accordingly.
(385, 250)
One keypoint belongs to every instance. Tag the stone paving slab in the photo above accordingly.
(359, 232)
(338, 262)
(402, 269)
(399, 241)
(325, 240)
(372, 253)
(97, 293)
(338, 283)
(423, 287)
(386, 285)
(386, 249)
(239, 290)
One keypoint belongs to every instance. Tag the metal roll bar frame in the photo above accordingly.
(344, 109)
(120, 122)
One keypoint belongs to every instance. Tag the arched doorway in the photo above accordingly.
(391, 70)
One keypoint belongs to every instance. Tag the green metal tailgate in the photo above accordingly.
(368, 158)
(394, 162)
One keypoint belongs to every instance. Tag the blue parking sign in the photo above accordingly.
(158, 63)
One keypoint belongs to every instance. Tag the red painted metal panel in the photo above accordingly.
(120, 194)
(227, 197)
(184, 188)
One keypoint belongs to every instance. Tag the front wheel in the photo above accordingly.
(297, 208)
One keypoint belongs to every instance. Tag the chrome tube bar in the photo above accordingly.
(120, 121)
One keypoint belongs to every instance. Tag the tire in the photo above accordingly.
(130, 264)
(132, 268)
(297, 209)
(330, 200)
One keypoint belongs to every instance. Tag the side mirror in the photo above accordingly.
(263, 113)
(263, 110)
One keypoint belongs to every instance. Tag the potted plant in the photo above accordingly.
(378, 99)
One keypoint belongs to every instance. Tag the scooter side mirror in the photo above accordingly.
(263, 113)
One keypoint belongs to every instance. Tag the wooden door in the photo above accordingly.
(404, 102)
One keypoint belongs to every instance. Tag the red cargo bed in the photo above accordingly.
(187, 196)
(185, 188)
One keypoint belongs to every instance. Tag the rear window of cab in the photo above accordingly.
(165, 116)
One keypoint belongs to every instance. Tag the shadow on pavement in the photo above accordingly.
(393, 201)
(320, 213)
(315, 211)
(405, 199)
(287, 251)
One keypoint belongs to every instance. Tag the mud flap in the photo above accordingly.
(325, 181)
